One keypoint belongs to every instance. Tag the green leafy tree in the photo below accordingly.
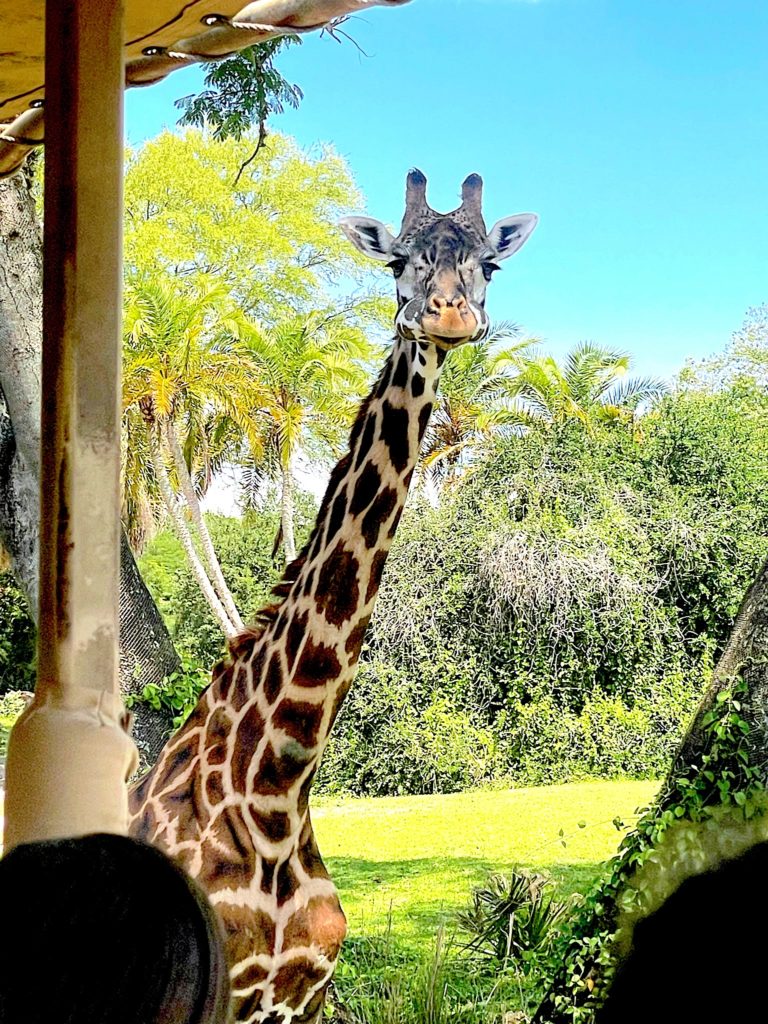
(591, 386)
(187, 380)
(242, 92)
(313, 371)
(271, 240)
(473, 404)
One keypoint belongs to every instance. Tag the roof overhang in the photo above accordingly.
(160, 36)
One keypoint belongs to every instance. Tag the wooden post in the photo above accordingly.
(82, 287)
(68, 754)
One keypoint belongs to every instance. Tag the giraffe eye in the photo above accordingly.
(488, 268)
(397, 266)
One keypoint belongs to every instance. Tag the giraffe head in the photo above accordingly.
(442, 262)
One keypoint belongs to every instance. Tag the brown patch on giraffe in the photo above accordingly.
(297, 630)
(309, 854)
(366, 441)
(418, 384)
(216, 734)
(321, 922)
(309, 582)
(229, 860)
(400, 376)
(383, 383)
(338, 590)
(291, 982)
(287, 883)
(277, 772)
(244, 1008)
(394, 433)
(355, 638)
(177, 759)
(267, 875)
(394, 524)
(302, 802)
(276, 826)
(253, 974)
(366, 489)
(336, 518)
(426, 412)
(378, 513)
(249, 732)
(144, 826)
(222, 680)
(314, 1009)
(214, 788)
(318, 663)
(273, 680)
(300, 720)
(248, 933)
(138, 793)
(377, 568)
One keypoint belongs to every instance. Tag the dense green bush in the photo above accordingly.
(17, 638)
(244, 547)
(555, 616)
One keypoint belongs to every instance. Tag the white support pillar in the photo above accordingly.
(68, 754)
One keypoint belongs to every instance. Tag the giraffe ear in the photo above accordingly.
(508, 235)
(370, 236)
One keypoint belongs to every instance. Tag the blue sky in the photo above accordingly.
(638, 131)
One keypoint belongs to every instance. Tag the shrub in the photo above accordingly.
(18, 638)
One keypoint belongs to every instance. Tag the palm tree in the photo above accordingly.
(186, 372)
(313, 372)
(473, 403)
(590, 387)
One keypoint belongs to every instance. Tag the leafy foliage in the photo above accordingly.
(513, 919)
(18, 638)
(242, 91)
(711, 811)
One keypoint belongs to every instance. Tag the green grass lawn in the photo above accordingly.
(418, 858)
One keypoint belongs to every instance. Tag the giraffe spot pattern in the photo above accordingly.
(400, 376)
(377, 568)
(338, 591)
(277, 772)
(355, 638)
(424, 415)
(276, 826)
(273, 681)
(366, 489)
(216, 733)
(317, 666)
(366, 441)
(300, 720)
(296, 633)
(394, 433)
(417, 385)
(336, 518)
(214, 788)
(292, 981)
(287, 883)
(249, 732)
(378, 513)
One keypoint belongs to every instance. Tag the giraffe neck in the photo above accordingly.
(308, 653)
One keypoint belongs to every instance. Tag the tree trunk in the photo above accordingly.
(286, 513)
(184, 535)
(746, 657)
(209, 554)
(150, 655)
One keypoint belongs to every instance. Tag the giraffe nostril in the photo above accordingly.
(436, 303)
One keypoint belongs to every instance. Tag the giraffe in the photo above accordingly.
(229, 795)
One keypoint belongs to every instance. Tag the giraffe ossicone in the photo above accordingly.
(229, 795)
